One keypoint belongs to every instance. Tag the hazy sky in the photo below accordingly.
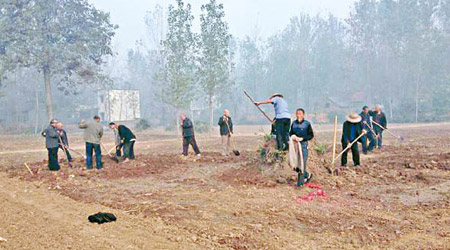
(242, 15)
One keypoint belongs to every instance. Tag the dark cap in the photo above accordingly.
(96, 117)
(365, 107)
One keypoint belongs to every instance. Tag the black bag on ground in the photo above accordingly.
(102, 218)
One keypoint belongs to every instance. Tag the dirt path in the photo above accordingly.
(33, 217)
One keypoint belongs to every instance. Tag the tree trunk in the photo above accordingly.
(37, 112)
(48, 94)
(211, 113)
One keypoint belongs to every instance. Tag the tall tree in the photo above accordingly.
(215, 57)
(64, 38)
(178, 73)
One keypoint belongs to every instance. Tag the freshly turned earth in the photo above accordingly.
(398, 198)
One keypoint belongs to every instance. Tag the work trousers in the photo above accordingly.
(53, 164)
(190, 140)
(90, 148)
(282, 132)
(128, 150)
(355, 154)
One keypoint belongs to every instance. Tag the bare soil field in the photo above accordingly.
(398, 199)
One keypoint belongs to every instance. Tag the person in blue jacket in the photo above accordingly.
(366, 119)
(301, 132)
(379, 118)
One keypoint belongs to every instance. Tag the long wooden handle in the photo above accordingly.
(262, 111)
(300, 150)
(396, 136)
(348, 147)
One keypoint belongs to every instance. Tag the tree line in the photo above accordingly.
(390, 52)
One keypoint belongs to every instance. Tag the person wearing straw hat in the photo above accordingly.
(301, 132)
(282, 119)
(351, 130)
(379, 118)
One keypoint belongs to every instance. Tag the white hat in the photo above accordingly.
(353, 117)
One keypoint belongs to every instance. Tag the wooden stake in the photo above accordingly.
(29, 170)
(335, 137)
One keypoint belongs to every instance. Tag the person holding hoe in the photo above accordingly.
(352, 132)
(282, 119)
(301, 132)
(126, 140)
(380, 124)
(64, 141)
(366, 117)
(226, 129)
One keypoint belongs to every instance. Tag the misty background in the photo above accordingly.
(328, 57)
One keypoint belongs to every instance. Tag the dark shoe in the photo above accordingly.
(308, 178)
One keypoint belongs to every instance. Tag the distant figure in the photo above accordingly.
(301, 132)
(126, 139)
(226, 129)
(188, 135)
(282, 119)
(92, 136)
(380, 118)
(366, 116)
(52, 145)
(65, 141)
(351, 130)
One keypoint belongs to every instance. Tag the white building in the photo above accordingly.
(119, 105)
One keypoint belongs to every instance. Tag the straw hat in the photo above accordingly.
(354, 118)
(276, 94)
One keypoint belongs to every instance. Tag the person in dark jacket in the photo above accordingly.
(351, 130)
(226, 129)
(127, 139)
(52, 145)
(366, 116)
(64, 142)
(379, 118)
(188, 135)
(301, 132)
(282, 119)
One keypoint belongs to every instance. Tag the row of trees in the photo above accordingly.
(392, 52)
(195, 66)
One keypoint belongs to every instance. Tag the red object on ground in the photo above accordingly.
(311, 196)
(312, 185)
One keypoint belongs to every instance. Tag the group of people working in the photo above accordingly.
(366, 128)
(56, 138)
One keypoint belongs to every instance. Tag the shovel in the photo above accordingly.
(109, 153)
(400, 138)
(78, 152)
(235, 151)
